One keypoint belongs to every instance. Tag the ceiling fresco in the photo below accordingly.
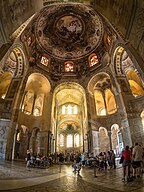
(68, 31)
(72, 37)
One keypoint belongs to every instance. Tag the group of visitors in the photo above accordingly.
(132, 158)
(37, 160)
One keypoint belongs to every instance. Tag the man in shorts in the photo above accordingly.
(137, 159)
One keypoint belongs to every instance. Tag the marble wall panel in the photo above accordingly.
(4, 127)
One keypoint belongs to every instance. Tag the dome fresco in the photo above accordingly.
(68, 31)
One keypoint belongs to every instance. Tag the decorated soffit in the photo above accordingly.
(68, 31)
(69, 96)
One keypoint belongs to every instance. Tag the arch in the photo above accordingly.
(98, 78)
(5, 80)
(15, 62)
(99, 102)
(71, 120)
(100, 87)
(117, 60)
(93, 59)
(135, 83)
(124, 66)
(104, 142)
(37, 87)
(110, 102)
(42, 83)
(116, 138)
(69, 66)
(69, 94)
(69, 85)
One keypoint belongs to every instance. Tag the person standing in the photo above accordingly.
(28, 160)
(126, 155)
(137, 155)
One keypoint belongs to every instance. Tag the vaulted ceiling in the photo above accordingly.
(126, 16)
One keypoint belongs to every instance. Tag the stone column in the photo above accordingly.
(95, 135)
(110, 139)
(126, 136)
(120, 140)
(49, 147)
(13, 152)
(29, 134)
(90, 142)
(32, 111)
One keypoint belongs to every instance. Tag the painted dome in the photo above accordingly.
(68, 31)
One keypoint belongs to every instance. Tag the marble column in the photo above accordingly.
(95, 135)
(13, 152)
(126, 134)
(110, 139)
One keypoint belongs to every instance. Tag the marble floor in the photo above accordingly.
(14, 177)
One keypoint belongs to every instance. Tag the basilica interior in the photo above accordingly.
(71, 76)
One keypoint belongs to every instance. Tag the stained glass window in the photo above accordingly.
(75, 110)
(61, 140)
(69, 140)
(44, 61)
(69, 109)
(63, 109)
(69, 67)
(77, 140)
(93, 59)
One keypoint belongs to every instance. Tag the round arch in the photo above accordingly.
(104, 142)
(37, 87)
(124, 66)
(69, 95)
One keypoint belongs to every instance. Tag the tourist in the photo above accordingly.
(126, 155)
(137, 155)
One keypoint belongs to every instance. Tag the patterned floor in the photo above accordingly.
(51, 180)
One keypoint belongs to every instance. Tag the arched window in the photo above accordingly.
(110, 102)
(135, 82)
(63, 109)
(104, 139)
(75, 110)
(69, 109)
(99, 101)
(69, 66)
(5, 81)
(69, 140)
(44, 61)
(93, 59)
(28, 103)
(76, 140)
(61, 140)
(102, 111)
(38, 107)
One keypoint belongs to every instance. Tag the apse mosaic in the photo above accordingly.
(67, 31)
